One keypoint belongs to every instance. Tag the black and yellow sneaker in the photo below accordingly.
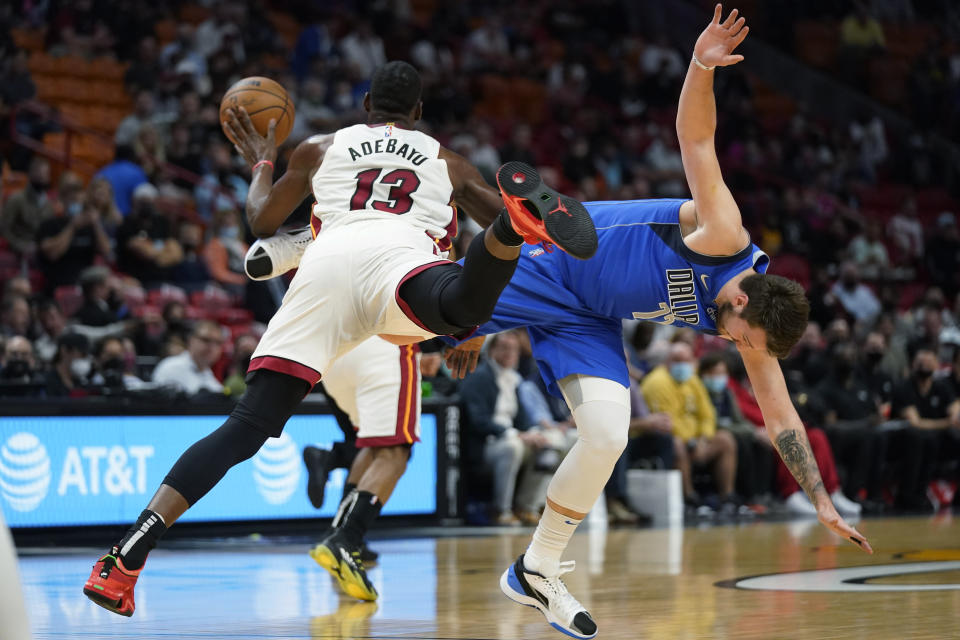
(341, 559)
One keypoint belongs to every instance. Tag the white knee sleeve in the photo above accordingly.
(601, 409)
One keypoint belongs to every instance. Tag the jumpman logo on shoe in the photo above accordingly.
(560, 207)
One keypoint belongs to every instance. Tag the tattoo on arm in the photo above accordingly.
(796, 454)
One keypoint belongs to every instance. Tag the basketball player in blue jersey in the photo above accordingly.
(688, 263)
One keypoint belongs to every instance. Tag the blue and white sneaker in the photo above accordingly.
(550, 596)
(271, 257)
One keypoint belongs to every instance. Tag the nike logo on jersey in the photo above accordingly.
(703, 279)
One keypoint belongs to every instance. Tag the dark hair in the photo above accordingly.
(712, 359)
(75, 341)
(124, 152)
(101, 345)
(778, 306)
(395, 88)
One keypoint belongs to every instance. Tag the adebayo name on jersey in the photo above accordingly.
(390, 145)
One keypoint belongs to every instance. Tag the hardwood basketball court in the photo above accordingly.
(657, 583)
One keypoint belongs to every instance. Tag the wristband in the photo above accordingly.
(261, 163)
(701, 65)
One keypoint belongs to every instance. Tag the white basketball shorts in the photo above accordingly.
(378, 386)
(345, 292)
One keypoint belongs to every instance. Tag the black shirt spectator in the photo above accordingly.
(100, 305)
(69, 244)
(146, 248)
(934, 404)
(18, 369)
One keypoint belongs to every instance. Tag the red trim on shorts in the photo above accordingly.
(384, 441)
(289, 367)
(407, 311)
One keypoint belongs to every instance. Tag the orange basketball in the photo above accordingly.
(264, 100)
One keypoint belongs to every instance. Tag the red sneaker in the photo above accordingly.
(541, 214)
(110, 585)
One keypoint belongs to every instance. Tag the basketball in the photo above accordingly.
(264, 100)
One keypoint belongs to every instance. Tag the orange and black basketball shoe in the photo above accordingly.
(110, 584)
(541, 214)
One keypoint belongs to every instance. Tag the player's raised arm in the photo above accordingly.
(720, 228)
(790, 438)
(471, 192)
(269, 204)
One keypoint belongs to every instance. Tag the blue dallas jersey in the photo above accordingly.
(642, 269)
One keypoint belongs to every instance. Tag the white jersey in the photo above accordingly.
(382, 171)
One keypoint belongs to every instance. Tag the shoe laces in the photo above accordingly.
(561, 600)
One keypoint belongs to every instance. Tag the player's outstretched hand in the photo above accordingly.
(462, 359)
(832, 520)
(715, 45)
(247, 140)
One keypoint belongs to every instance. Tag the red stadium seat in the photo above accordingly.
(211, 298)
(166, 293)
(231, 317)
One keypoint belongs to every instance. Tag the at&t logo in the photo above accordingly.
(24, 471)
(276, 469)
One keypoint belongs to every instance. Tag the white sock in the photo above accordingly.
(549, 541)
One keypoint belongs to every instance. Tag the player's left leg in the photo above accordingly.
(601, 409)
(340, 552)
(378, 386)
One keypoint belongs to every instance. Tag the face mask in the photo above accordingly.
(230, 233)
(113, 364)
(715, 384)
(39, 186)
(80, 368)
(681, 371)
(923, 374)
(16, 369)
(874, 357)
(74, 208)
(843, 367)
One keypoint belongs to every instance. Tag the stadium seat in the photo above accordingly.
(166, 293)
(232, 317)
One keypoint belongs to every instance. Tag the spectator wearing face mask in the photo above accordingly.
(111, 367)
(675, 389)
(225, 252)
(932, 411)
(70, 368)
(146, 247)
(856, 298)
(853, 416)
(70, 243)
(53, 324)
(18, 369)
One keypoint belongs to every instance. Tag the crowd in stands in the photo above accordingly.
(129, 277)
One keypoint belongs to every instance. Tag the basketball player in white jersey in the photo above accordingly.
(386, 197)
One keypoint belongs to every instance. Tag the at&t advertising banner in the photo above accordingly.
(88, 470)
